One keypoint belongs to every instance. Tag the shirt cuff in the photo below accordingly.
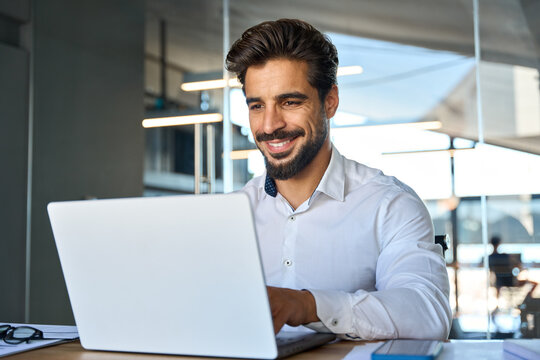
(334, 309)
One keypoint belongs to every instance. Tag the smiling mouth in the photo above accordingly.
(280, 148)
(280, 145)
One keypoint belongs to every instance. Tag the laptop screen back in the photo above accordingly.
(173, 275)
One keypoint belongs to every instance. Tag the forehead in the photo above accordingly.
(277, 76)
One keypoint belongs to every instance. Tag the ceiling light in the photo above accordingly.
(347, 119)
(209, 84)
(233, 82)
(419, 125)
(450, 151)
(182, 120)
(349, 70)
(241, 154)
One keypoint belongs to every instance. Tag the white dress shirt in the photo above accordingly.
(363, 245)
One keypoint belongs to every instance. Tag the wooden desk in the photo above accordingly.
(74, 351)
(453, 350)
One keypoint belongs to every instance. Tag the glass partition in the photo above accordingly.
(182, 46)
(507, 167)
(405, 112)
(385, 108)
(411, 111)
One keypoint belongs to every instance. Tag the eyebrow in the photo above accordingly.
(252, 100)
(291, 95)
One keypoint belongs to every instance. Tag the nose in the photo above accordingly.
(272, 120)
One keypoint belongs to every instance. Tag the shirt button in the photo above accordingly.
(334, 322)
(287, 262)
(292, 218)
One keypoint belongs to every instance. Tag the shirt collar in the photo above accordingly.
(331, 184)
(333, 180)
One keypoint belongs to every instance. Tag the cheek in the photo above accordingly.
(256, 128)
(314, 122)
(302, 119)
(254, 123)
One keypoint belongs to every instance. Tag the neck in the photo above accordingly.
(300, 187)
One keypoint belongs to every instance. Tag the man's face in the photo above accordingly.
(286, 116)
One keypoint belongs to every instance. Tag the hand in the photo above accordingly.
(291, 307)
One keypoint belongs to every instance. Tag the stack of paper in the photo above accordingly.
(52, 334)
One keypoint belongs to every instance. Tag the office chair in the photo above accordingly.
(443, 241)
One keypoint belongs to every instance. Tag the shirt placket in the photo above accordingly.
(289, 250)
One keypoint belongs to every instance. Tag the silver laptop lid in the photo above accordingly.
(172, 275)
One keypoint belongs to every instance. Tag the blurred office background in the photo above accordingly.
(453, 113)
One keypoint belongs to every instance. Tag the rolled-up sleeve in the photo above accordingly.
(412, 289)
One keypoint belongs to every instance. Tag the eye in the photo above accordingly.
(291, 103)
(255, 107)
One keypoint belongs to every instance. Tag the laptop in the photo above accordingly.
(175, 275)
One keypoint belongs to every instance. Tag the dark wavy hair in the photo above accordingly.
(289, 39)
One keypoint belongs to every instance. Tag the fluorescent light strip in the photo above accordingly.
(220, 83)
(451, 151)
(349, 70)
(209, 84)
(182, 120)
(420, 125)
(241, 154)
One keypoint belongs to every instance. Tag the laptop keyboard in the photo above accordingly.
(289, 343)
(289, 338)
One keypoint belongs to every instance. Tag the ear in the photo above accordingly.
(331, 102)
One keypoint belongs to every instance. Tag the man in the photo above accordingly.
(501, 266)
(506, 268)
(345, 248)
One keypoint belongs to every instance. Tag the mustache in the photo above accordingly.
(279, 134)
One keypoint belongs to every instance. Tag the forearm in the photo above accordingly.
(411, 301)
(396, 313)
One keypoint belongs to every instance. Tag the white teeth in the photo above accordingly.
(277, 145)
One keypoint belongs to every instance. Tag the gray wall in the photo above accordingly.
(87, 84)
(14, 62)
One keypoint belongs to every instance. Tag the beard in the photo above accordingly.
(306, 153)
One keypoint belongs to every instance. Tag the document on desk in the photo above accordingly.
(52, 334)
(522, 348)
